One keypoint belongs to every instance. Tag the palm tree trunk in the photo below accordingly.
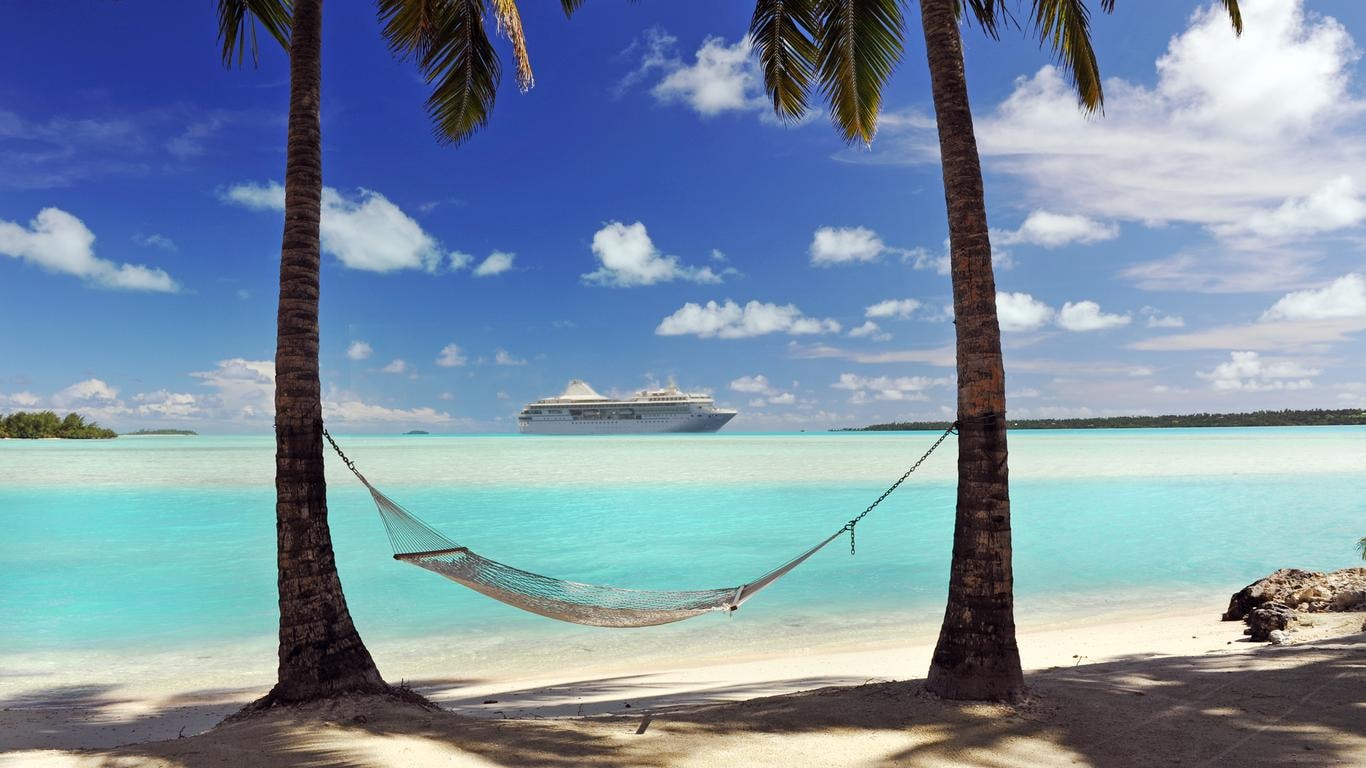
(976, 657)
(321, 653)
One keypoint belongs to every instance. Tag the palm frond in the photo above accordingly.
(1065, 26)
(990, 15)
(782, 32)
(237, 20)
(570, 6)
(463, 67)
(510, 24)
(1234, 15)
(858, 43)
(409, 26)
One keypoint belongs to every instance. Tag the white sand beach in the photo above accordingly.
(1178, 687)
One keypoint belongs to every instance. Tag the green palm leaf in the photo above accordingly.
(782, 31)
(570, 6)
(1065, 26)
(858, 43)
(464, 68)
(409, 25)
(237, 20)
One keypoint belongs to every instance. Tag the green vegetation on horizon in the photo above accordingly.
(142, 432)
(33, 425)
(1286, 418)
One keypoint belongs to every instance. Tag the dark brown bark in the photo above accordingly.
(321, 654)
(976, 657)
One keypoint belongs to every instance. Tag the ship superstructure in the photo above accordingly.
(580, 410)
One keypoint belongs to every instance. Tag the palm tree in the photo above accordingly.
(850, 47)
(321, 653)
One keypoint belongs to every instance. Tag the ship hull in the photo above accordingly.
(707, 422)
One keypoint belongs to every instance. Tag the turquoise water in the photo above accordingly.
(166, 543)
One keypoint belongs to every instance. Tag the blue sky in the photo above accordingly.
(638, 216)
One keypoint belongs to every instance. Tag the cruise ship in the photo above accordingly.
(580, 410)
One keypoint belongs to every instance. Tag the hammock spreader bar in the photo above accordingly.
(417, 543)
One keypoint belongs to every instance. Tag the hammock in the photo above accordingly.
(416, 543)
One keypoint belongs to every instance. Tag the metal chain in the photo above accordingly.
(849, 526)
(351, 465)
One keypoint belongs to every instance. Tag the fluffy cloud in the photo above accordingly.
(1256, 138)
(396, 366)
(759, 385)
(366, 231)
(450, 357)
(1054, 230)
(503, 357)
(59, 242)
(1158, 320)
(1086, 316)
(900, 308)
(732, 321)
(1345, 297)
(1335, 205)
(941, 263)
(751, 384)
(497, 263)
(91, 392)
(723, 78)
(1021, 312)
(886, 387)
(627, 257)
(869, 329)
(359, 350)
(1248, 372)
(845, 245)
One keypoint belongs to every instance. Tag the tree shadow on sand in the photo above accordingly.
(1299, 705)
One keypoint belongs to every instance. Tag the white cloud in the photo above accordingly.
(458, 260)
(627, 257)
(732, 321)
(870, 329)
(1054, 230)
(91, 392)
(450, 357)
(1021, 312)
(751, 384)
(365, 231)
(1156, 319)
(1248, 371)
(503, 357)
(887, 387)
(242, 388)
(1335, 205)
(786, 398)
(156, 241)
(359, 350)
(724, 78)
(845, 245)
(901, 308)
(59, 242)
(167, 405)
(396, 366)
(1247, 137)
(1345, 297)
(497, 263)
(1086, 316)
(19, 400)
(346, 407)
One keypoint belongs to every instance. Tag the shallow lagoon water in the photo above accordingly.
(163, 544)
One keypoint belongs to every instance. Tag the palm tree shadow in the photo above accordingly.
(1274, 706)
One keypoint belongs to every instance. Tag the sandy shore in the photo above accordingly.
(1170, 688)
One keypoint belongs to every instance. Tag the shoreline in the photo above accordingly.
(67, 709)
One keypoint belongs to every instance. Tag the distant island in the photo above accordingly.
(142, 432)
(417, 432)
(1286, 418)
(24, 425)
